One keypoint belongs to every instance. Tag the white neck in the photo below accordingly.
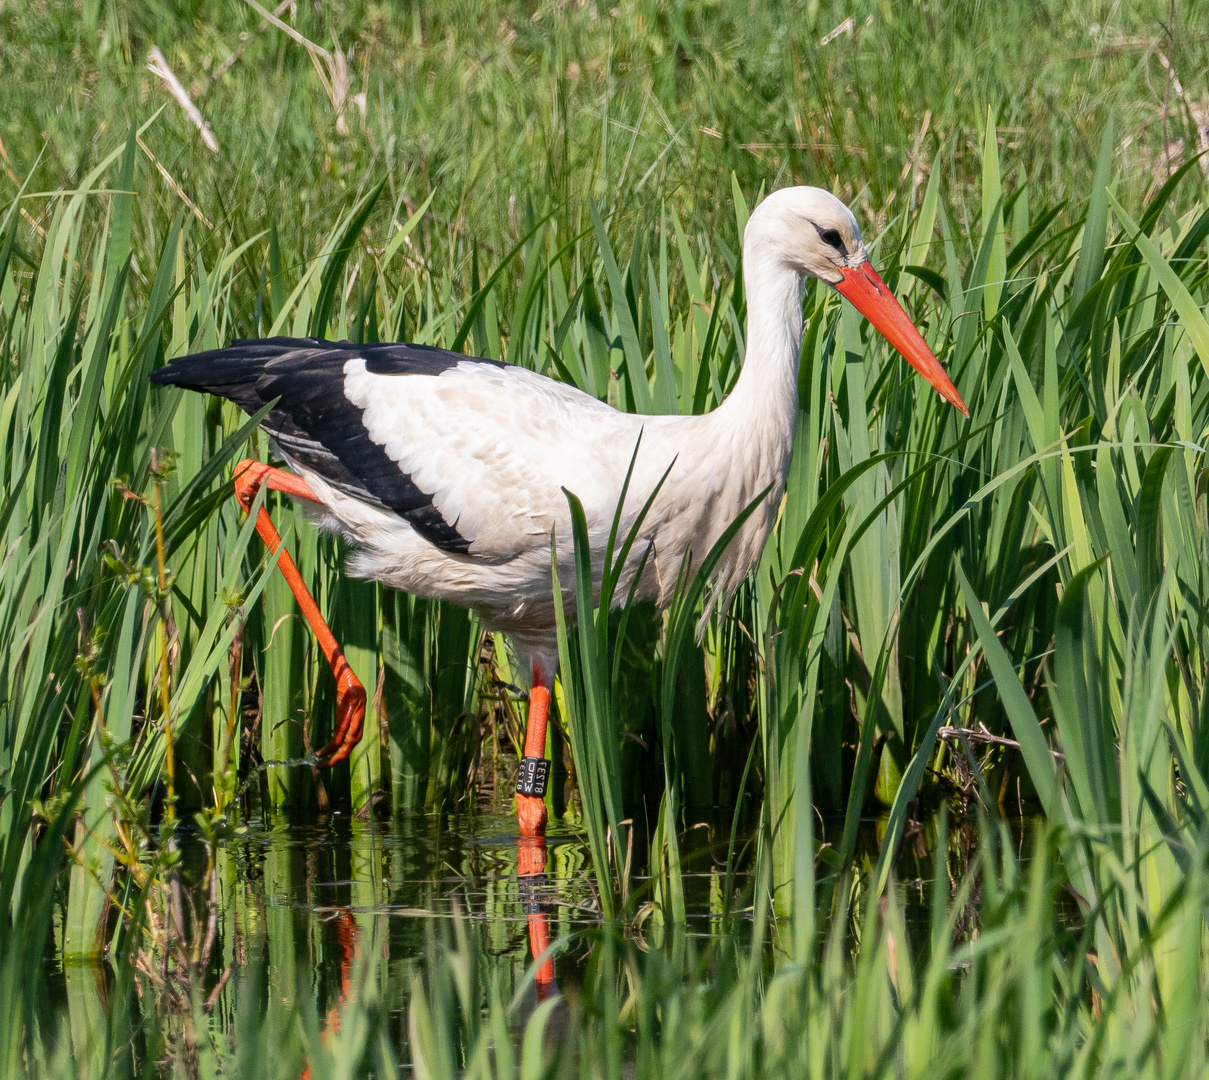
(747, 441)
(766, 392)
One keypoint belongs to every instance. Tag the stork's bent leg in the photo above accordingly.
(350, 694)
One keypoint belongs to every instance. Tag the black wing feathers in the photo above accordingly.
(314, 423)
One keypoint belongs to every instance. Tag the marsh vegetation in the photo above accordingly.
(929, 797)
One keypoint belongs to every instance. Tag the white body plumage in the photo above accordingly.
(450, 473)
(495, 447)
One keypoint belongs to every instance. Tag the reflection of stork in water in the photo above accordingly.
(448, 472)
(346, 938)
(531, 865)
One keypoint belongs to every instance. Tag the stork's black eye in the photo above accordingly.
(832, 237)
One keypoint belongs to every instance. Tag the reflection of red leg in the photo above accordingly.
(531, 810)
(530, 863)
(350, 694)
(346, 937)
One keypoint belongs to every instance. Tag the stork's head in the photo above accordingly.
(811, 232)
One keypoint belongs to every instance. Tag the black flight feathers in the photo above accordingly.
(314, 423)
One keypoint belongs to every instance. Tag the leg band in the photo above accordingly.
(533, 777)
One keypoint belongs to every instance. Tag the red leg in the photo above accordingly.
(531, 809)
(531, 847)
(350, 694)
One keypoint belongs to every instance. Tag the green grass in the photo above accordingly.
(552, 102)
(1001, 616)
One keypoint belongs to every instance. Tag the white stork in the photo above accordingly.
(447, 472)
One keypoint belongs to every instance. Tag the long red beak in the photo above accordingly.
(873, 299)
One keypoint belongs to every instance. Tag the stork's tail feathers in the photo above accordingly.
(232, 372)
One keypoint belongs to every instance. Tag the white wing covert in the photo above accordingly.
(493, 447)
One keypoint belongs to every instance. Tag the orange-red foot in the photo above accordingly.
(350, 716)
(250, 475)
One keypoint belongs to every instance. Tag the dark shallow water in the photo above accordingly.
(300, 904)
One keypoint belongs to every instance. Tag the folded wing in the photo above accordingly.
(471, 453)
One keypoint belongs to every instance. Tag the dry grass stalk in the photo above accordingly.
(33, 222)
(200, 86)
(1199, 111)
(333, 72)
(158, 66)
(171, 182)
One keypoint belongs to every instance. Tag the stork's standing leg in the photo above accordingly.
(531, 785)
(531, 814)
(350, 694)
